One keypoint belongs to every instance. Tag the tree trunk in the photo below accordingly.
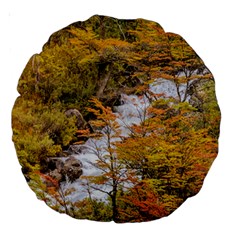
(178, 91)
(104, 80)
(186, 92)
(114, 203)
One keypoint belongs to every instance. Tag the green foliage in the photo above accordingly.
(39, 132)
(92, 209)
(204, 99)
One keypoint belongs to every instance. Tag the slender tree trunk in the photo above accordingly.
(144, 168)
(104, 80)
(64, 204)
(186, 91)
(114, 203)
(120, 28)
(178, 91)
(102, 27)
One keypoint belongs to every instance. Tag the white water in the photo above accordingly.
(132, 111)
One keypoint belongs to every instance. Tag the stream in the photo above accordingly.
(132, 111)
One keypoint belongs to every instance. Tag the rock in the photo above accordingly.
(54, 163)
(56, 175)
(81, 123)
(111, 100)
(72, 169)
(74, 149)
(61, 170)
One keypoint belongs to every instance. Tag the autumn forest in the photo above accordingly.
(116, 120)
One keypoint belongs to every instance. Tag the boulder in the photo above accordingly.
(81, 123)
(51, 164)
(72, 169)
(56, 175)
(112, 99)
(62, 170)
(74, 149)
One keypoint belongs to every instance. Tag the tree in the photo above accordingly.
(183, 65)
(160, 163)
(113, 174)
(170, 149)
(108, 55)
(150, 51)
(52, 192)
(141, 203)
